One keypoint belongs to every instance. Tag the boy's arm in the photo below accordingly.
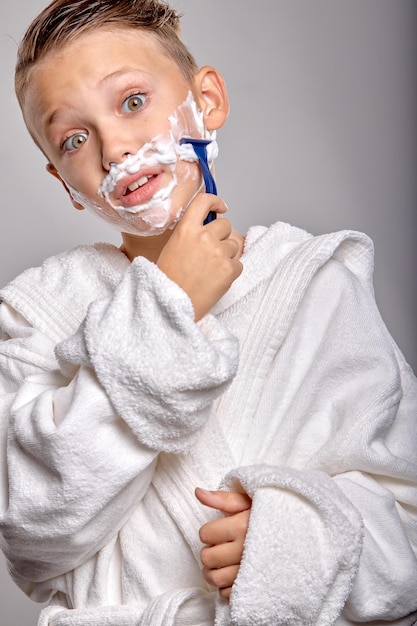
(81, 434)
(203, 259)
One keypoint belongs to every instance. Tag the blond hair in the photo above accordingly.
(64, 20)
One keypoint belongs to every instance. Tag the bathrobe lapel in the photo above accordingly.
(287, 283)
(176, 478)
(211, 459)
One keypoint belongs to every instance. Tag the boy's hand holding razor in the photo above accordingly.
(203, 259)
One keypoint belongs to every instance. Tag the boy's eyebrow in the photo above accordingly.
(51, 118)
(122, 71)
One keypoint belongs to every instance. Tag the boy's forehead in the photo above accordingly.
(90, 55)
(114, 43)
(108, 37)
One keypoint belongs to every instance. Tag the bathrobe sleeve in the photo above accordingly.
(333, 528)
(82, 421)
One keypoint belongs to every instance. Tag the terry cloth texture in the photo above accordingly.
(115, 405)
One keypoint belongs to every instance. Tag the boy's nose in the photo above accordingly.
(115, 157)
(110, 163)
(115, 149)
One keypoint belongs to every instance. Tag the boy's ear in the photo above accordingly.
(52, 170)
(211, 97)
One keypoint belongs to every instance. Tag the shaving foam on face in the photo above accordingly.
(154, 216)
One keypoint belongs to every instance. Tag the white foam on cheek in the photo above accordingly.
(188, 120)
(155, 215)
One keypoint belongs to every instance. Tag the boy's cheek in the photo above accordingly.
(188, 173)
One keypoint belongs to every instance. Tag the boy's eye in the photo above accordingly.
(75, 142)
(133, 103)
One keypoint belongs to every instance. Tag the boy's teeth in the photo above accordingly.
(138, 183)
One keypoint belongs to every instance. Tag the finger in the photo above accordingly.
(225, 593)
(240, 241)
(232, 248)
(238, 269)
(220, 228)
(201, 206)
(228, 502)
(223, 555)
(225, 529)
(221, 578)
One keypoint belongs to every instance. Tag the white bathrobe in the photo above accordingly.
(115, 405)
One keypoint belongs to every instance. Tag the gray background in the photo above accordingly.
(322, 134)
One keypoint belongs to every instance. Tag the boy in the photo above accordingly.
(191, 357)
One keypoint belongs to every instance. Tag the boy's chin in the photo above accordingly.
(148, 233)
(148, 223)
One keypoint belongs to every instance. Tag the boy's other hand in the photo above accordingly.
(203, 259)
(224, 537)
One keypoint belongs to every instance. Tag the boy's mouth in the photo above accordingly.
(138, 188)
(138, 183)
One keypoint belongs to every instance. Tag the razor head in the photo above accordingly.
(195, 142)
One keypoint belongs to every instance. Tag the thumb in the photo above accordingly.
(229, 502)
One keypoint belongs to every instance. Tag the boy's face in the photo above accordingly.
(107, 100)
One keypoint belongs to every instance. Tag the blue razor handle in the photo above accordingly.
(200, 149)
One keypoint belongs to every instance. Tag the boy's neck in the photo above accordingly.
(148, 247)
